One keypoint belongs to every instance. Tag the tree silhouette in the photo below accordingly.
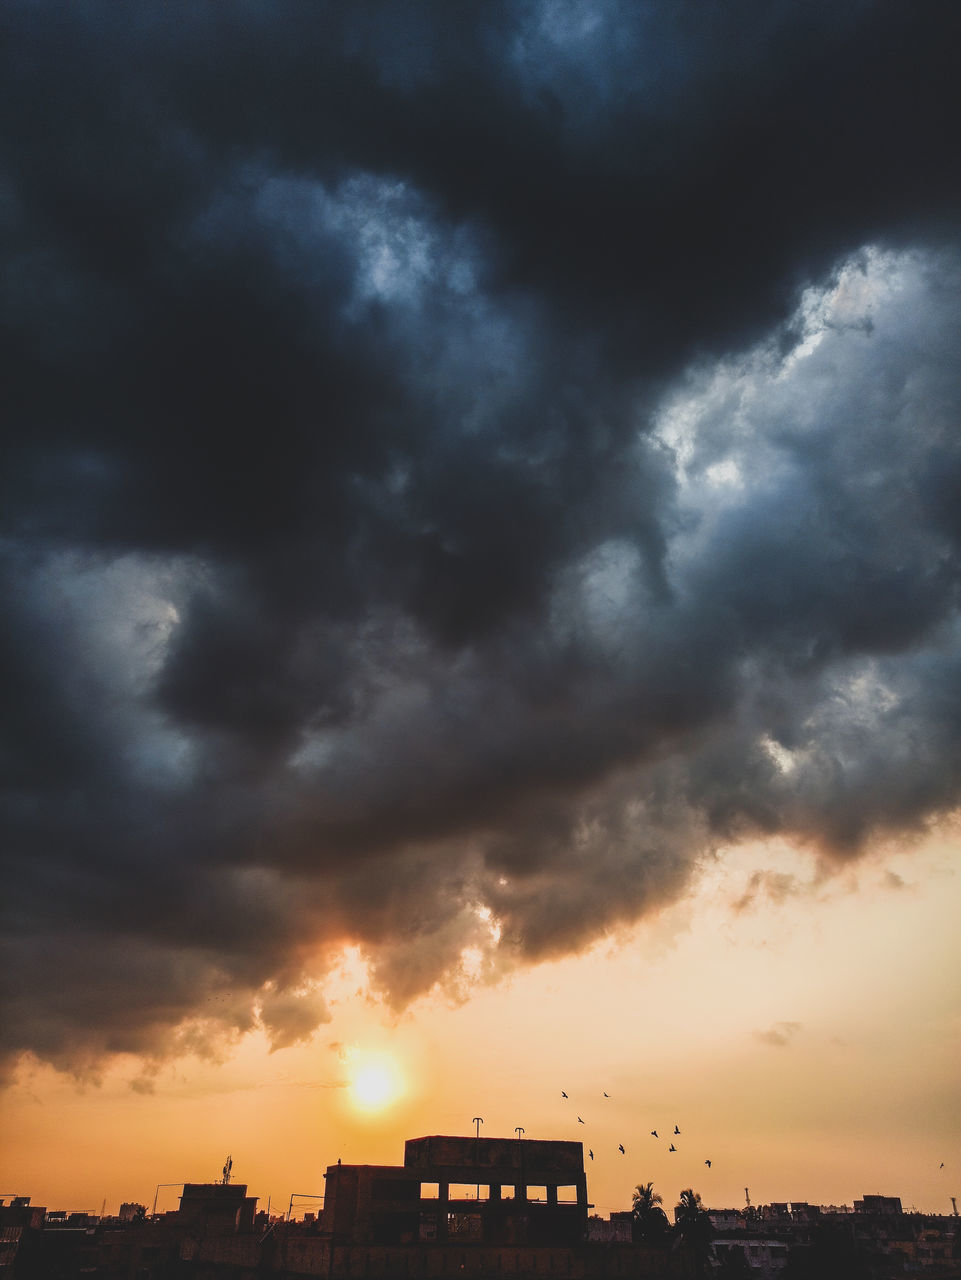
(733, 1265)
(693, 1228)
(649, 1223)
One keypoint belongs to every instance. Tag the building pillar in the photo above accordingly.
(443, 1208)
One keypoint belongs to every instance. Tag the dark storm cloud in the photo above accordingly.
(433, 512)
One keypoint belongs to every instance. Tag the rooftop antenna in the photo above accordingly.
(954, 1205)
(747, 1197)
(227, 1168)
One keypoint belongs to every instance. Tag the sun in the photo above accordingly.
(376, 1083)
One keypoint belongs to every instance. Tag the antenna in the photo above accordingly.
(227, 1168)
(954, 1205)
(747, 1197)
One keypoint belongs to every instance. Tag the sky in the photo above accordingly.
(480, 536)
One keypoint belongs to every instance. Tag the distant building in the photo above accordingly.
(801, 1211)
(726, 1219)
(878, 1204)
(617, 1229)
(766, 1256)
(213, 1206)
(483, 1190)
(132, 1212)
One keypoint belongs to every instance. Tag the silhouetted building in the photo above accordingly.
(212, 1206)
(21, 1225)
(617, 1229)
(878, 1204)
(484, 1190)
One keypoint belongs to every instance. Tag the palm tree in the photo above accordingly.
(649, 1225)
(693, 1227)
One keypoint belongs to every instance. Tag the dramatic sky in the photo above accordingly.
(480, 540)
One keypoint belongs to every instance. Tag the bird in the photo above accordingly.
(606, 1094)
(563, 1094)
(621, 1149)
(590, 1153)
(708, 1163)
(653, 1133)
(941, 1165)
(579, 1120)
(672, 1147)
(676, 1130)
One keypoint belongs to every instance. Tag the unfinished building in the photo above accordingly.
(484, 1190)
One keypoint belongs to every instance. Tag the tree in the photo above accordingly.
(732, 1264)
(693, 1228)
(649, 1223)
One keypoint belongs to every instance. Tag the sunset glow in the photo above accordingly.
(376, 1084)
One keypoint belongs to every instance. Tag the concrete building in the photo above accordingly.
(477, 1190)
(213, 1206)
(878, 1204)
(617, 1229)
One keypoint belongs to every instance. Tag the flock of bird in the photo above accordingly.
(620, 1145)
(654, 1134)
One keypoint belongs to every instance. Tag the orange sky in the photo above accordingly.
(808, 1046)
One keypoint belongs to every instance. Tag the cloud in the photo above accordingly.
(456, 472)
(776, 885)
(891, 880)
(290, 1017)
(780, 1035)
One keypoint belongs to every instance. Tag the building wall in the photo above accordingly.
(487, 1190)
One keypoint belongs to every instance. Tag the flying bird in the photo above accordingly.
(621, 1149)
(708, 1163)
(672, 1147)
(606, 1095)
(941, 1165)
(676, 1129)
(563, 1094)
(653, 1133)
(590, 1153)
(579, 1120)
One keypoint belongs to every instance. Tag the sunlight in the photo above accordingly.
(376, 1083)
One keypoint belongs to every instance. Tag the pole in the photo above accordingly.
(300, 1195)
(157, 1193)
(478, 1121)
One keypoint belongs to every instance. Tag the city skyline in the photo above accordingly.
(481, 562)
(285, 1116)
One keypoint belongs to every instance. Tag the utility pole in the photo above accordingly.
(300, 1195)
(157, 1193)
(478, 1121)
